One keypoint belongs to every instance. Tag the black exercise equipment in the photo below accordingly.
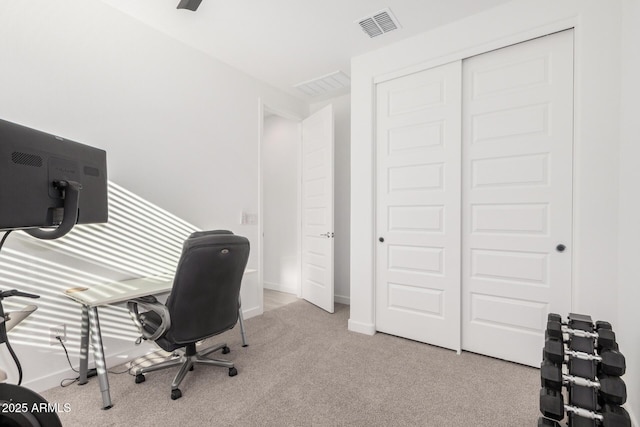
(609, 362)
(18, 403)
(582, 357)
(546, 422)
(604, 335)
(612, 390)
(552, 406)
(551, 403)
(3, 325)
(20, 406)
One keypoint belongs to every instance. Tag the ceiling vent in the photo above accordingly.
(379, 23)
(329, 83)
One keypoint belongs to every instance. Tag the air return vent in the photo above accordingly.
(321, 85)
(379, 23)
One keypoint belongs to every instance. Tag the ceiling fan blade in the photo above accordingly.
(189, 4)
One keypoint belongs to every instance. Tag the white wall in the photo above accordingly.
(342, 193)
(181, 129)
(629, 218)
(598, 256)
(281, 224)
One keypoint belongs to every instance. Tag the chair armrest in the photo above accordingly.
(150, 303)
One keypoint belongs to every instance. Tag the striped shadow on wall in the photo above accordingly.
(140, 239)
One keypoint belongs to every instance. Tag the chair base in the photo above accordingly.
(187, 361)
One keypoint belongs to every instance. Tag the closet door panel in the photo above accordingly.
(418, 213)
(517, 195)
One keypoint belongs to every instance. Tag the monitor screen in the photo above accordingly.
(32, 162)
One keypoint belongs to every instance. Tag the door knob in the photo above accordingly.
(381, 239)
(561, 247)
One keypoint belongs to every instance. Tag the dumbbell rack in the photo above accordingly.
(585, 360)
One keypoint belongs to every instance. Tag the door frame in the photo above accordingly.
(371, 329)
(263, 108)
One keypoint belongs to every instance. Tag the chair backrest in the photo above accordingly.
(206, 287)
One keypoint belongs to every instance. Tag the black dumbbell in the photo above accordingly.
(611, 362)
(546, 422)
(606, 338)
(600, 324)
(554, 317)
(553, 351)
(615, 416)
(580, 321)
(551, 403)
(552, 406)
(612, 390)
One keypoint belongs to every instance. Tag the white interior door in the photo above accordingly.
(317, 209)
(517, 195)
(418, 206)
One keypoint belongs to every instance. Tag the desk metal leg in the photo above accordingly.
(84, 346)
(241, 319)
(98, 356)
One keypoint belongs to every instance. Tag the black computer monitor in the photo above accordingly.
(34, 169)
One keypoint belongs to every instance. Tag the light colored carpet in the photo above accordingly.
(303, 368)
(276, 299)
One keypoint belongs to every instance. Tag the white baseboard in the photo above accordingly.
(248, 313)
(280, 288)
(53, 380)
(361, 327)
(632, 415)
(341, 299)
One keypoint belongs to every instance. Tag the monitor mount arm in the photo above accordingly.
(71, 195)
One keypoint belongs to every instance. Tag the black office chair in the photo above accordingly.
(204, 302)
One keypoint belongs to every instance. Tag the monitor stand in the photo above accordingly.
(71, 196)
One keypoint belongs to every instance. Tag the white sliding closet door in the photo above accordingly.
(418, 214)
(517, 195)
(474, 200)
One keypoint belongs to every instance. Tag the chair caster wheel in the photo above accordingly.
(140, 378)
(176, 394)
(191, 368)
(233, 372)
(225, 350)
